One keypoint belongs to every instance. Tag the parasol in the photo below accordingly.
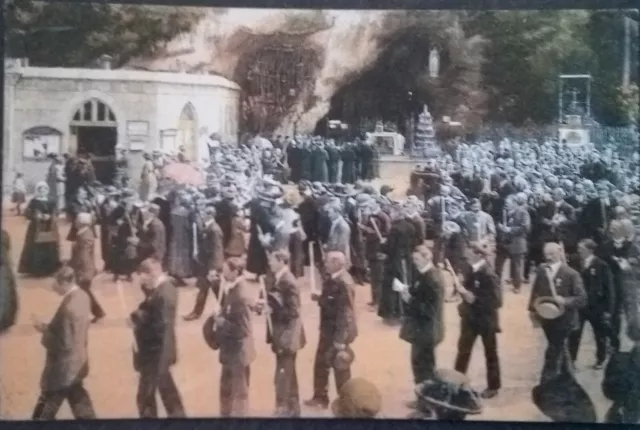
(184, 174)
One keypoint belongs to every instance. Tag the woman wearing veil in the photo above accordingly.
(41, 253)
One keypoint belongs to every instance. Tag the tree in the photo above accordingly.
(91, 30)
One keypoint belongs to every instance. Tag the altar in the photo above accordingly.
(387, 142)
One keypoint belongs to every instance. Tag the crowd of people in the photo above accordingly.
(565, 219)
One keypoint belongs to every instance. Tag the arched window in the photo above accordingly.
(94, 113)
(188, 131)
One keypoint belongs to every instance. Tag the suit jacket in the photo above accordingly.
(424, 314)
(286, 323)
(83, 259)
(210, 253)
(337, 309)
(498, 203)
(236, 245)
(371, 239)
(235, 333)
(155, 327)
(546, 213)
(482, 314)
(594, 217)
(568, 284)
(520, 223)
(153, 241)
(66, 341)
(598, 283)
(340, 238)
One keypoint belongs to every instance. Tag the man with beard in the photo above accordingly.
(397, 248)
(338, 329)
(481, 301)
(564, 288)
(513, 246)
(423, 325)
(209, 259)
(601, 301)
(153, 324)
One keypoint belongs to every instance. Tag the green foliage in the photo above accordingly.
(628, 98)
(76, 34)
(527, 50)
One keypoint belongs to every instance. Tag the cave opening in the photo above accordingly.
(393, 90)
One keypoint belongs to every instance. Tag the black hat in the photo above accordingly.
(450, 391)
(209, 334)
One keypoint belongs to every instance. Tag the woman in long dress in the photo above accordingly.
(41, 253)
(149, 181)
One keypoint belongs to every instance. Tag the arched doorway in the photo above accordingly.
(188, 132)
(95, 131)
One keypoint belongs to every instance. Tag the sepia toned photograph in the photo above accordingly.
(281, 213)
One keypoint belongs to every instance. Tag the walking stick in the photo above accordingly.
(312, 271)
(125, 312)
(263, 293)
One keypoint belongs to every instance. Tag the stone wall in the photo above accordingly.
(50, 97)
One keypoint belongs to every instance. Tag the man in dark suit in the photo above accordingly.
(209, 261)
(83, 261)
(501, 190)
(339, 238)
(556, 279)
(152, 235)
(513, 240)
(423, 324)
(481, 301)
(154, 328)
(286, 334)
(597, 215)
(234, 332)
(67, 365)
(338, 328)
(601, 301)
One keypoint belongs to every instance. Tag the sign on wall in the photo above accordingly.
(137, 135)
(168, 139)
(39, 142)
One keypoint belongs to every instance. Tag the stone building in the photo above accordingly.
(62, 110)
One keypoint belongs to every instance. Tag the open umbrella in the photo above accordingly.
(184, 174)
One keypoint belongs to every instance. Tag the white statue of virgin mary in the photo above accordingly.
(434, 63)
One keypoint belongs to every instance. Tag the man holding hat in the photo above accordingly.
(338, 329)
(423, 324)
(556, 297)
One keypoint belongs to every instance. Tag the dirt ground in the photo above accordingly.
(380, 355)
